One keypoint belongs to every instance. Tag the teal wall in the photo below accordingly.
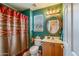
(43, 11)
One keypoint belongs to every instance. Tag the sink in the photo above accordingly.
(48, 40)
(55, 40)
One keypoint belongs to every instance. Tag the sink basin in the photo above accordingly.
(52, 40)
(48, 40)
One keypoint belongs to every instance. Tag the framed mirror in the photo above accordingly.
(54, 25)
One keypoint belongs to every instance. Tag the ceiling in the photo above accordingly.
(24, 6)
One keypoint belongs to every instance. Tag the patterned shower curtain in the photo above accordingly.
(13, 31)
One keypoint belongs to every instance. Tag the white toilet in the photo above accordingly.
(34, 49)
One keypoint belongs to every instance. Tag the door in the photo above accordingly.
(58, 49)
(67, 29)
(48, 49)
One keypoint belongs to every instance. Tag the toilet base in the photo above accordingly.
(37, 54)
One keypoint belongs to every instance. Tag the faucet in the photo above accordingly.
(52, 37)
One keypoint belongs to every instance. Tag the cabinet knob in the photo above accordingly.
(62, 46)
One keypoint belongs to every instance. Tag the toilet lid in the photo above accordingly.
(34, 48)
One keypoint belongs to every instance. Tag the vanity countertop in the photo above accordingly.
(53, 40)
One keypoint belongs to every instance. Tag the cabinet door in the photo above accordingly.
(52, 49)
(48, 49)
(58, 49)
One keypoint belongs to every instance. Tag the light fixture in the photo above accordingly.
(52, 11)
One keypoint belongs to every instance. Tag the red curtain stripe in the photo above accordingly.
(9, 11)
(14, 32)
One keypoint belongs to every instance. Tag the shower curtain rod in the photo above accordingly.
(9, 6)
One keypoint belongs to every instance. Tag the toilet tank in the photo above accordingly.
(37, 41)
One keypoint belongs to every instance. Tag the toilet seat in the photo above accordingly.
(34, 48)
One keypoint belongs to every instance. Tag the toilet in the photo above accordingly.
(34, 49)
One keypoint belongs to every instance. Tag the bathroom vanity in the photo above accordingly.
(52, 47)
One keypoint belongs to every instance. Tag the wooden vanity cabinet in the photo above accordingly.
(52, 49)
(47, 48)
(58, 49)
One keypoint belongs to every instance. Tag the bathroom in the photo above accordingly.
(38, 29)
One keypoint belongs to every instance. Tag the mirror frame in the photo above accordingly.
(60, 25)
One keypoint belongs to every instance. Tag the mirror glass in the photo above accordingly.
(54, 25)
